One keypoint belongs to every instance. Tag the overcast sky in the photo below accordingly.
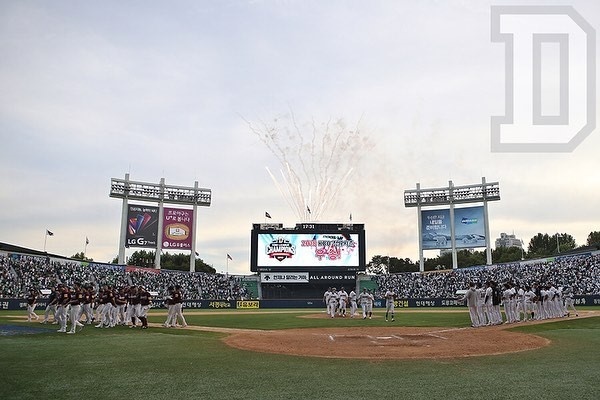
(93, 90)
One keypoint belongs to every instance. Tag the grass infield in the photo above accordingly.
(161, 363)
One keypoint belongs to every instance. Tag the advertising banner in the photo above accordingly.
(284, 277)
(306, 250)
(177, 228)
(469, 227)
(142, 226)
(435, 229)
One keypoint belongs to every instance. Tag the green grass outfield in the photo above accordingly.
(160, 363)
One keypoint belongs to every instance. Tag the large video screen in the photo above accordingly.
(309, 247)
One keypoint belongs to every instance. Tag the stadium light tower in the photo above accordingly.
(451, 195)
(158, 193)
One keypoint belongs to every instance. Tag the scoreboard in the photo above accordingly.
(308, 247)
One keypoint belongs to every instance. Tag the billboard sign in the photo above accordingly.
(142, 226)
(469, 227)
(435, 229)
(177, 228)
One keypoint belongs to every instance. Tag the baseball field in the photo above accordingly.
(301, 354)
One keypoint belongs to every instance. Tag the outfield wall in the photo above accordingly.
(21, 304)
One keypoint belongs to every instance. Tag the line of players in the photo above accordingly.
(337, 301)
(107, 308)
(536, 302)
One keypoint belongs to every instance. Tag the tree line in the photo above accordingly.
(145, 259)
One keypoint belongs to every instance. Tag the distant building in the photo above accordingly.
(506, 240)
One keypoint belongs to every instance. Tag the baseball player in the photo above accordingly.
(488, 304)
(343, 298)
(528, 304)
(366, 303)
(480, 304)
(390, 296)
(51, 306)
(171, 318)
(177, 304)
(507, 301)
(145, 302)
(31, 303)
(75, 299)
(121, 302)
(133, 306)
(333, 302)
(569, 301)
(62, 307)
(352, 296)
(471, 298)
(326, 296)
(87, 307)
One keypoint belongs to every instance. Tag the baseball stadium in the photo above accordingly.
(354, 248)
(238, 337)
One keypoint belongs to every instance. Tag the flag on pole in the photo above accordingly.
(87, 241)
(49, 233)
(350, 216)
(229, 257)
(308, 209)
(267, 215)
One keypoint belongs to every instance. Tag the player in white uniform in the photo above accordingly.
(507, 301)
(520, 298)
(365, 299)
(488, 306)
(333, 302)
(326, 297)
(343, 299)
(569, 301)
(528, 304)
(480, 303)
(352, 296)
(390, 296)
(471, 298)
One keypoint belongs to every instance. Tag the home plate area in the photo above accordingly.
(387, 342)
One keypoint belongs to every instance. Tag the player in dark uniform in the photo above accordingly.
(177, 303)
(51, 306)
(145, 301)
(133, 305)
(31, 303)
(62, 307)
(105, 299)
(121, 303)
(171, 318)
(75, 300)
(87, 307)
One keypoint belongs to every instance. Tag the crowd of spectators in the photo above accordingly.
(19, 273)
(579, 273)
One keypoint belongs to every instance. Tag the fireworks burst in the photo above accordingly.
(316, 159)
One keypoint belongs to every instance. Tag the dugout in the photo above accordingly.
(313, 289)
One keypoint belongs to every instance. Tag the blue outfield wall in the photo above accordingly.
(21, 304)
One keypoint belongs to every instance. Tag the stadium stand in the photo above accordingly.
(580, 273)
(20, 272)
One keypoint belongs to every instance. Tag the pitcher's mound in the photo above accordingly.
(387, 342)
